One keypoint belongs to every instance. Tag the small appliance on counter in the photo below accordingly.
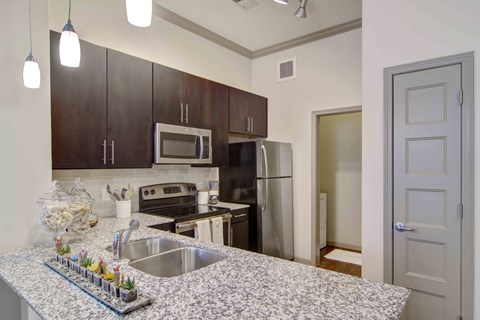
(213, 192)
(179, 202)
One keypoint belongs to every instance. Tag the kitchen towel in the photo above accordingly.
(202, 231)
(217, 230)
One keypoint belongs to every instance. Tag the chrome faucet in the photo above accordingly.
(120, 239)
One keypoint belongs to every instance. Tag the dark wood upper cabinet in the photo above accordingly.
(178, 97)
(248, 113)
(130, 121)
(79, 108)
(194, 89)
(167, 95)
(216, 119)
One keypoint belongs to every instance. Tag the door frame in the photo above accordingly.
(314, 255)
(467, 78)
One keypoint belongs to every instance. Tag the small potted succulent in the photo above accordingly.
(85, 263)
(91, 270)
(66, 252)
(117, 282)
(107, 281)
(74, 266)
(128, 292)
(101, 270)
(58, 251)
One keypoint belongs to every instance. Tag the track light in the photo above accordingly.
(281, 1)
(69, 44)
(302, 10)
(139, 12)
(31, 70)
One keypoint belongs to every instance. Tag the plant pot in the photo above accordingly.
(57, 257)
(128, 295)
(114, 291)
(106, 285)
(90, 276)
(84, 272)
(76, 267)
(97, 279)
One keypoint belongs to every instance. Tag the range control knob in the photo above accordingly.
(194, 188)
(152, 192)
(146, 193)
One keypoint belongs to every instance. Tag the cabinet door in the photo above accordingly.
(257, 109)
(194, 89)
(216, 119)
(129, 111)
(79, 108)
(167, 95)
(238, 107)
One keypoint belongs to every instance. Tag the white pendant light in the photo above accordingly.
(69, 44)
(31, 70)
(139, 12)
(282, 1)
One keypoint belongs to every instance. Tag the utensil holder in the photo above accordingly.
(123, 209)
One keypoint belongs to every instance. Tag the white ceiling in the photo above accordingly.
(267, 24)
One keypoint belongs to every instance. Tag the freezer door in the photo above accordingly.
(274, 159)
(275, 217)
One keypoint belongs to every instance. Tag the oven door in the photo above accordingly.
(188, 229)
(176, 144)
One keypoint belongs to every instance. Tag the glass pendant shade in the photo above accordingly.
(282, 1)
(69, 47)
(31, 73)
(139, 12)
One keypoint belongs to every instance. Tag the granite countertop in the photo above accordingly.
(245, 285)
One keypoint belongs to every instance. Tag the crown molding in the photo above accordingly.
(172, 17)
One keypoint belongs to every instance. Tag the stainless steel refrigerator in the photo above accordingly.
(260, 174)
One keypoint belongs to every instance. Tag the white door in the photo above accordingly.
(427, 191)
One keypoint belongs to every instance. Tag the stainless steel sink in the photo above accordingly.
(135, 250)
(177, 262)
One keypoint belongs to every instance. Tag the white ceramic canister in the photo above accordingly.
(202, 197)
(123, 209)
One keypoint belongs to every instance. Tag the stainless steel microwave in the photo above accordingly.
(177, 144)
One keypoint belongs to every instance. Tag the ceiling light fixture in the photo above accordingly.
(69, 44)
(31, 70)
(302, 10)
(139, 12)
(282, 1)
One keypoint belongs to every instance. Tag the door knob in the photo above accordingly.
(400, 227)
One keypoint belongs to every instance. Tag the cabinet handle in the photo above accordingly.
(251, 126)
(240, 215)
(248, 124)
(113, 152)
(181, 112)
(186, 113)
(104, 152)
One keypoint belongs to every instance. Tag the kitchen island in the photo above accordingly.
(245, 285)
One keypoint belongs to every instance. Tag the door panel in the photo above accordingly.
(129, 111)
(427, 190)
(276, 217)
(238, 106)
(167, 95)
(274, 159)
(194, 99)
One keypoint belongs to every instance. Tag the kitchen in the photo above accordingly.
(29, 112)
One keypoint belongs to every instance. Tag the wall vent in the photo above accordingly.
(287, 69)
(246, 4)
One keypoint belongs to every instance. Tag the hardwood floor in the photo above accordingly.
(338, 266)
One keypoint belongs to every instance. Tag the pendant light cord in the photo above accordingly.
(69, 9)
(30, 23)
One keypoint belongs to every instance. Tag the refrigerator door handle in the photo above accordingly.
(265, 194)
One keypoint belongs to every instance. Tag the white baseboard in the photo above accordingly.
(344, 246)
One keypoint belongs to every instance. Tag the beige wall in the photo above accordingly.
(339, 171)
(398, 32)
(329, 77)
(25, 168)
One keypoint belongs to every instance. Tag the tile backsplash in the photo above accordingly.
(96, 180)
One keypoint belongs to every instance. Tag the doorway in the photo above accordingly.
(429, 185)
(338, 153)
